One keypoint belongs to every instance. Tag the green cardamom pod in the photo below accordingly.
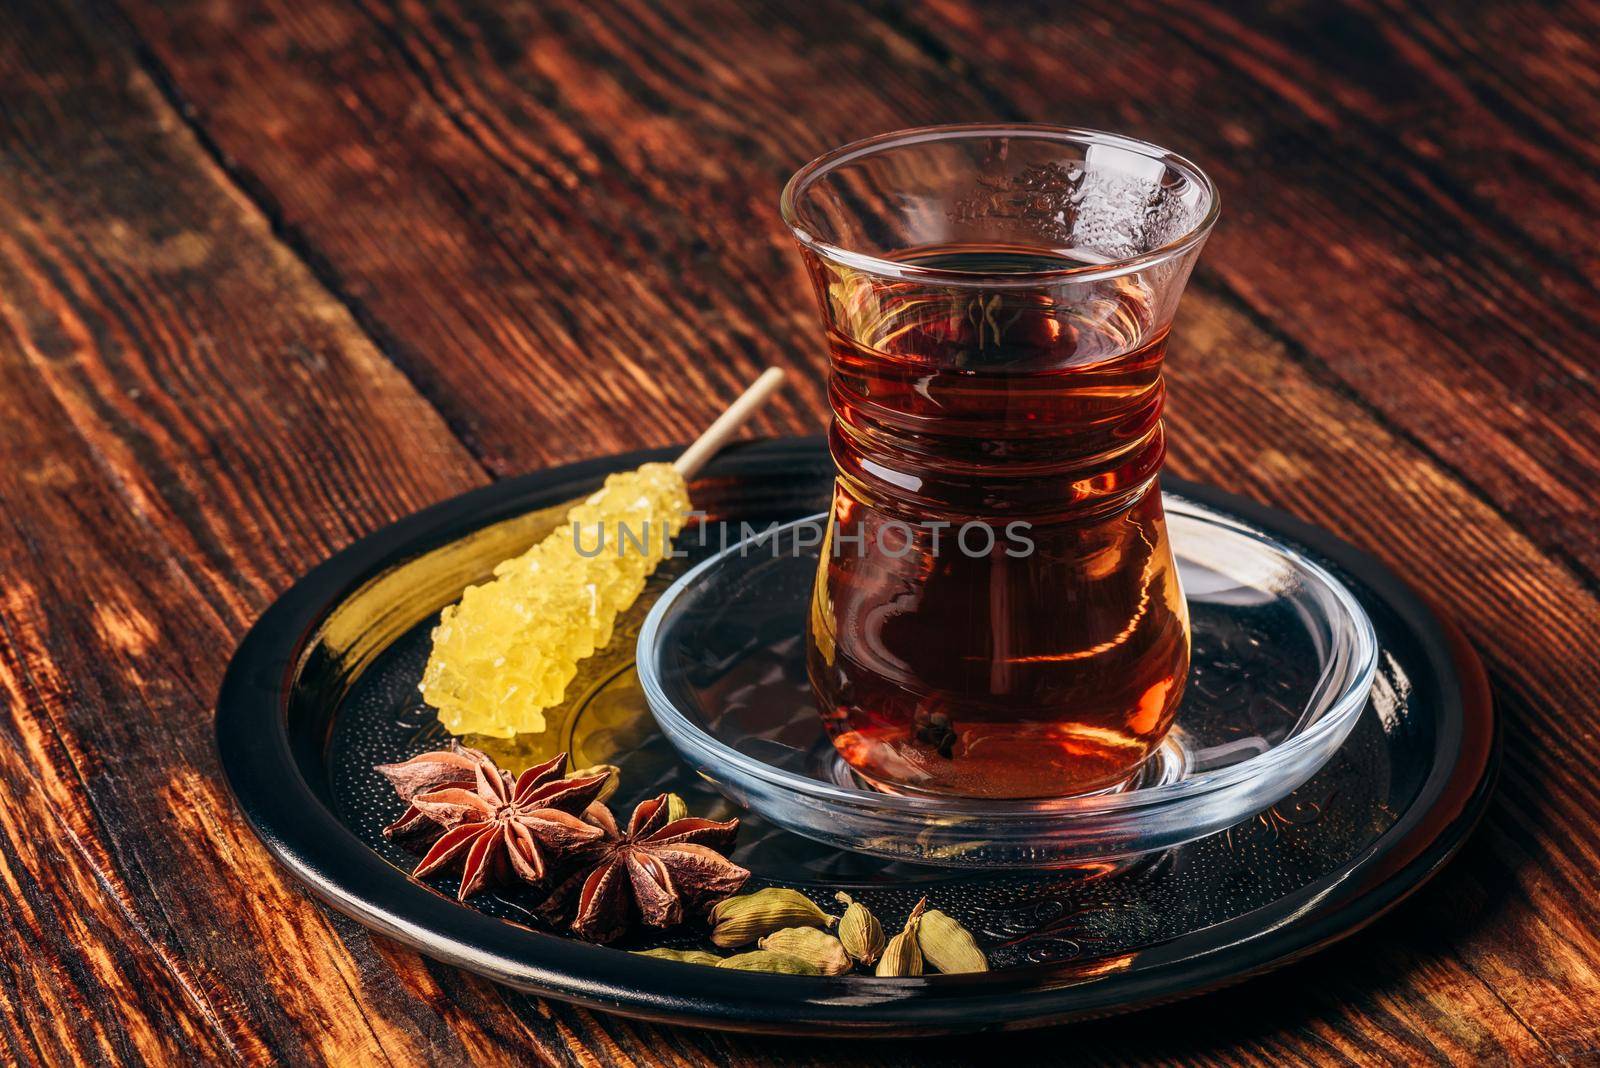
(763, 960)
(902, 957)
(948, 946)
(677, 808)
(817, 948)
(738, 921)
(687, 956)
(859, 930)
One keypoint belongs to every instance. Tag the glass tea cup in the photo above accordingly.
(997, 612)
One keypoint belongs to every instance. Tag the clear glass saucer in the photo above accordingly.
(1283, 659)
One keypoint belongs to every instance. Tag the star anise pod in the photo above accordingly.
(456, 766)
(502, 830)
(654, 871)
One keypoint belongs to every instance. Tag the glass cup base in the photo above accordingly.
(1167, 764)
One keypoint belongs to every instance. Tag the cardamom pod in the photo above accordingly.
(677, 808)
(948, 946)
(763, 960)
(738, 921)
(859, 930)
(903, 956)
(687, 956)
(817, 948)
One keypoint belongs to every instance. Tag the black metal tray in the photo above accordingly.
(324, 686)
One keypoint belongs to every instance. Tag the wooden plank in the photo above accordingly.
(456, 227)
(186, 421)
(1416, 269)
(1388, 210)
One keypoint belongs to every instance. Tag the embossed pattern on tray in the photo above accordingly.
(1099, 914)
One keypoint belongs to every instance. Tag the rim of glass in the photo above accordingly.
(802, 180)
(1361, 672)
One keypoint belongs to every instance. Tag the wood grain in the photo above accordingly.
(171, 379)
(1429, 266)
(272, 274)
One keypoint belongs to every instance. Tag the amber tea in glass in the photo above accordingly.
(997, 612)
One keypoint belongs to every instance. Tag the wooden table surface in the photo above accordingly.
(273, 274)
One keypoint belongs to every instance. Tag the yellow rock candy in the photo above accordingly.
(507, 650)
